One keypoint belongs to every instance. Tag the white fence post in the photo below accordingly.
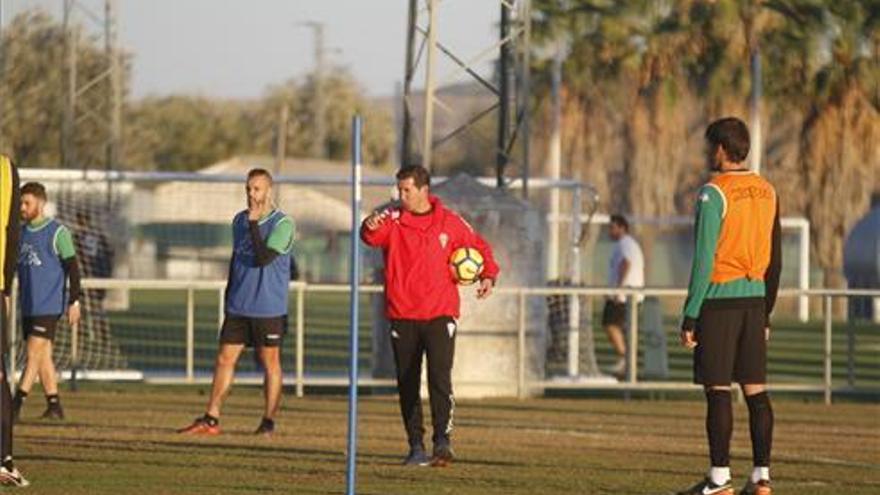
(190, 335)
(221, 308)
(632, 347)
(300, 339)
(828, 384)
(521, 348)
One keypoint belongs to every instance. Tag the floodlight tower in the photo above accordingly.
(78, 15)
(509, 86)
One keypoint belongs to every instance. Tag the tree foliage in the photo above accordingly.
(176, 132)
(647, 76)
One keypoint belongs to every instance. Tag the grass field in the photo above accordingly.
(120, 439)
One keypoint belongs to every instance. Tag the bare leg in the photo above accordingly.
(753, 388)
(47, 372)
(270, 356)
(36, 348)
(224, 372)
(615, 336)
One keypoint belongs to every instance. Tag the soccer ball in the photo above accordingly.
(466, 265)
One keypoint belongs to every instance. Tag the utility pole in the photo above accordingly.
(108, 82)
(503, 135)
(319, 109)
(281, 145)
(554, 165)
(111, 48)
(525, 91)
(755, 109)
(68, 157)
(428, 143)
(409, 73)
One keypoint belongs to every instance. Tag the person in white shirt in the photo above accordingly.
(626, 268)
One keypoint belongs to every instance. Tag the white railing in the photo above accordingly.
(523, 384)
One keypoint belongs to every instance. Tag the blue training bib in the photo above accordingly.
(255, 291)
(40, 272)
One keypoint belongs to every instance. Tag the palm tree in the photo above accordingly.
(826, 64)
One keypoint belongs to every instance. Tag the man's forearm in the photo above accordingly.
(71, 268)
(264, 255)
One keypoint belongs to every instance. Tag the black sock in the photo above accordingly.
(269, 422)
(211, 420)
(719, 426)
(8, 464)
(761, 427)
(53, 400)
(20, 394)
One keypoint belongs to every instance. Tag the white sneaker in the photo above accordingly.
(12, 478)
(619, 368)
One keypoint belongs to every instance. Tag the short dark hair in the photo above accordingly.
(419, 174)
(620, 220)
(259, 172)
(35, 189)
(732, 135)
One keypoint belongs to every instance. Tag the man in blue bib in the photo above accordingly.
(256, 301)
(47, 259)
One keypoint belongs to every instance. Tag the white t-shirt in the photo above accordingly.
(627, 249)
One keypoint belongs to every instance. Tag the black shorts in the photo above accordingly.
(731, 346)
(40, 326)
(253, 332)
(614, 313)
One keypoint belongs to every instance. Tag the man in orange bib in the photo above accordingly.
(726, 321)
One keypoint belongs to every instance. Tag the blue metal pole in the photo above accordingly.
(356, 125)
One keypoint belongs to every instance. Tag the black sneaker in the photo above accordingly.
(417, 456)
(443, 454)
(707, 487)
(266, 428)
(54, 413)
(17, 402)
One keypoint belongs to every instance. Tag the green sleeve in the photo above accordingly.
(710, 207)
(281, 238)
(64, 244)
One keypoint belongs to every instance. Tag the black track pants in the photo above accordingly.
(411, 339)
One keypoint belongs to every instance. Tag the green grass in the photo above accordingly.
(120, 439)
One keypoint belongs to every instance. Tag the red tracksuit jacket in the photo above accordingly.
(418, 282)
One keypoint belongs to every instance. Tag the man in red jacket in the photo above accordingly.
(422, 301)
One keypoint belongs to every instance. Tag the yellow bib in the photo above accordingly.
(5, 207)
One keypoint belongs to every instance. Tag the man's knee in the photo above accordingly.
(270, 357)
(228, 355)
(753, 388)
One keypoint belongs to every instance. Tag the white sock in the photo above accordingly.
(719, 475)
(760, 473)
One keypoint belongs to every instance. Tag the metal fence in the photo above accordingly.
(524, 386)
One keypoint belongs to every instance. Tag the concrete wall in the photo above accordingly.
(486, 346)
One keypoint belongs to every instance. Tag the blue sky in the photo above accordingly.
(235, 48)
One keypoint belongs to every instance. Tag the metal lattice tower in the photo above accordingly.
(78, 15)
(509, 86)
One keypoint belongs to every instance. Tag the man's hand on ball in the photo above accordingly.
(485, 288)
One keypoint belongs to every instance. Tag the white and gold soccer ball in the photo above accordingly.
(466, 265)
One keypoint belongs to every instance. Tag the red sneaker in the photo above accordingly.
(201, 426)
